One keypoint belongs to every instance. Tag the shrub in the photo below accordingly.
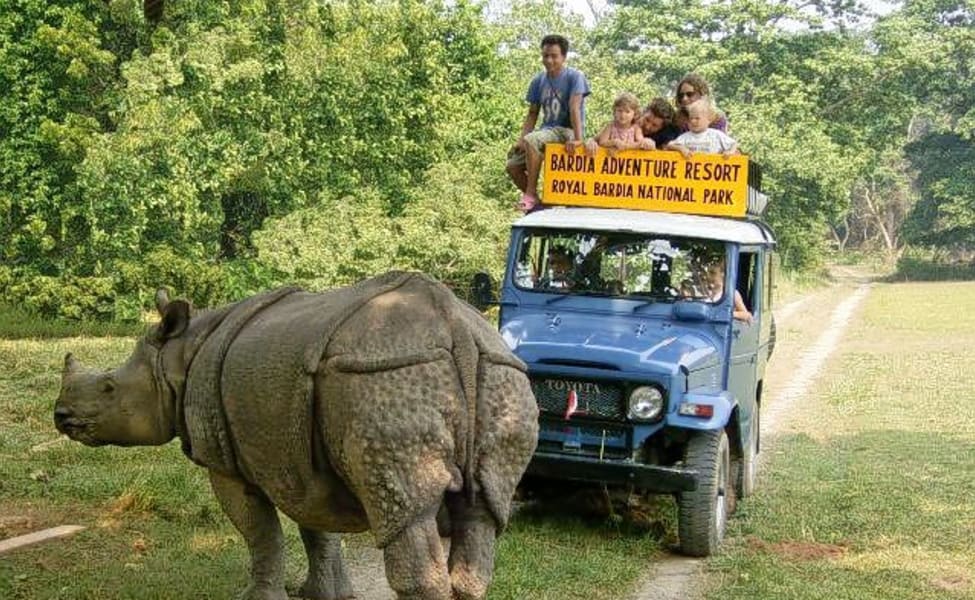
(454, 229)
(451, 230)
(247, 277)
(336, 242)
(915, 268)
(66, 297)
(203, 283)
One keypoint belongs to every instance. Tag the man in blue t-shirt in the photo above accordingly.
(559, 92)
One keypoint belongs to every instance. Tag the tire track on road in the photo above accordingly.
(812, 360)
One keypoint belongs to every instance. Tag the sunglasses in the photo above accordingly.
(687, 94)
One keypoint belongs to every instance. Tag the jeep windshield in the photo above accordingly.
(624, 265)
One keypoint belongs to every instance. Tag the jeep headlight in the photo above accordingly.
(645, 403)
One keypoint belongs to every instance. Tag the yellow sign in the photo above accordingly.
(707, 184)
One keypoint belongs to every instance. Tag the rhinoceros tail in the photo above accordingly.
(502, 416)
(507, 434)
(466, 356)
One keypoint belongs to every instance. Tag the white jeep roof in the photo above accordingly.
(644, 221)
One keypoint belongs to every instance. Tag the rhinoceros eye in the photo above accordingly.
(108, 386)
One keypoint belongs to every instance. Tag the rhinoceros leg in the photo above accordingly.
(415, 564)
(327, 578)
(256, 519)
(473, 530)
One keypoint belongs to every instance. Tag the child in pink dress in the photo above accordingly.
(624, 133)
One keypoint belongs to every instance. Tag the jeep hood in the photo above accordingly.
(636, 344)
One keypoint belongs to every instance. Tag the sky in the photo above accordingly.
(581, 7)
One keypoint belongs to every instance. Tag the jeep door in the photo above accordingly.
(743, 364)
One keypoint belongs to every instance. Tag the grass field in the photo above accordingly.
(154, 531)
(868, 493)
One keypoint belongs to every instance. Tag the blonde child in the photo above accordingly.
(624, 132)
(700, 137)
(715, 283)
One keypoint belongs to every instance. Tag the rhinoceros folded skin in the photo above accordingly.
(364, 401)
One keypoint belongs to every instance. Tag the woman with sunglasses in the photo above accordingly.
(692, 88)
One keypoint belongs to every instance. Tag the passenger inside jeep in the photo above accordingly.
(716, 276)
(560, 269)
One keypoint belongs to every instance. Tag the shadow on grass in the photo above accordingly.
(602, 512)
(569, 548)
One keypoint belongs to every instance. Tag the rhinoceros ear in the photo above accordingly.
(162, 299)
(71, 364)
(175, 319)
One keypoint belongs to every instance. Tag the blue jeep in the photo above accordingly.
(648, 376)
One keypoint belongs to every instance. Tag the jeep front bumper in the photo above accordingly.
(651, 478)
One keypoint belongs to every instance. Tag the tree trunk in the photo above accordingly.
(879, 219)
(841, 241)
(152, 10)
(592, 9)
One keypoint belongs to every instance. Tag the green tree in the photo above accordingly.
(57, 82)
(941, 38)
(224, 147)
(773, 83)
(945, 214)
(216, 117)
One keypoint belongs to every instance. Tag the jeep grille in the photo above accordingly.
(595, 399)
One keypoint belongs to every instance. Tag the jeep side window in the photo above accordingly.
(747, 271)
(526, 269)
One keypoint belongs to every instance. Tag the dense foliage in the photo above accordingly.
(220, 148)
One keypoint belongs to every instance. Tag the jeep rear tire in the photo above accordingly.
(746, 471)
(703, 513)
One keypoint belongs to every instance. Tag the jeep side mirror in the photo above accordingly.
(482, 291)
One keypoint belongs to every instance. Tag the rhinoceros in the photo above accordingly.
(375, 407)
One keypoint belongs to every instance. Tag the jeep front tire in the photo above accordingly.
(703, 513)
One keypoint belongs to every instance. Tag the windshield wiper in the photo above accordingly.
(653, 300)
(590, 293)
(644, 304)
